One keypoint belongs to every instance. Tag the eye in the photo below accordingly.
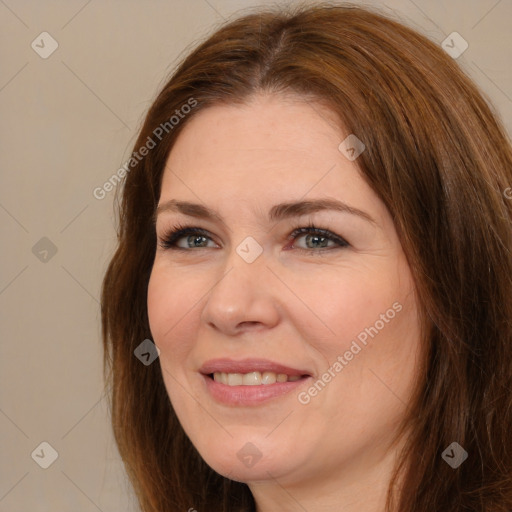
(194, 238)
(316, 239)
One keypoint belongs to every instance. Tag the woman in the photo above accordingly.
(314, 234)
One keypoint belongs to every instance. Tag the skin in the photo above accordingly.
(299, 308)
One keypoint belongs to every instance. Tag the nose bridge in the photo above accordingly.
(241, 294)
(244, 270)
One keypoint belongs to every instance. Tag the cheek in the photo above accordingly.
(173, 303)
(371, 322)
(170, 310)
(158, 305)
(347, 304)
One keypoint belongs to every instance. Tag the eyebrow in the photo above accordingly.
(277, 212)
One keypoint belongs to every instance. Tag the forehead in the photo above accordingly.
(271, 149)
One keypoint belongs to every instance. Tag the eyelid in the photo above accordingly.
(178, 231)
(322, 232)
(171, 235)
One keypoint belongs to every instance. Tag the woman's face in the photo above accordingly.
(313, 338)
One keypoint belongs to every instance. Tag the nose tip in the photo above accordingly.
(241, 301)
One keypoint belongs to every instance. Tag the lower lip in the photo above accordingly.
(250, 395)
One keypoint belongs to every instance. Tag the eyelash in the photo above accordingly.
(178, 231)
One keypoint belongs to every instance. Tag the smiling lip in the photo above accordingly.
(247, 366)
(249, 395)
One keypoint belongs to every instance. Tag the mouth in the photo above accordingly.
(255, 378)
(251, 381)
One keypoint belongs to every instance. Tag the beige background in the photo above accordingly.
(67, 123)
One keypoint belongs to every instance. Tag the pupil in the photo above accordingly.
(196, 239)
(315, 239)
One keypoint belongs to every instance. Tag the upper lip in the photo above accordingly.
(248, 366)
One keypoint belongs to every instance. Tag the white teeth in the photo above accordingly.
(235, 379)
(268, 378)
(252, 378)
(220, 377)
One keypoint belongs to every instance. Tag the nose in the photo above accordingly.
(244, 297)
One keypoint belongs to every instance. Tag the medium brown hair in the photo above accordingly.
(439, 158)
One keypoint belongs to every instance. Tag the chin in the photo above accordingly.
(246, 460)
